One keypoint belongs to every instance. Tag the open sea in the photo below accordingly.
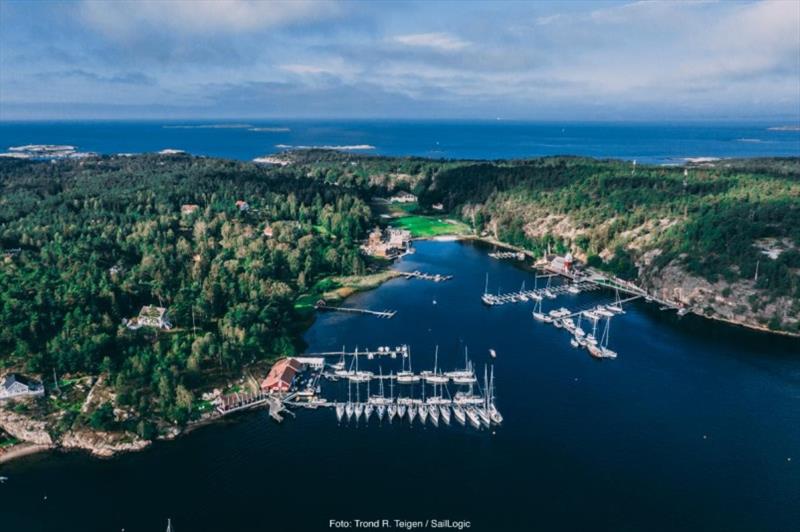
(695, 426)
(245, 140)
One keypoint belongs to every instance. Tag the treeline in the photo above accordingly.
(100, 238)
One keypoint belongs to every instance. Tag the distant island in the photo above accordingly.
(139, 288)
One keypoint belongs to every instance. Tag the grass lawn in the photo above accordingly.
(424, 226)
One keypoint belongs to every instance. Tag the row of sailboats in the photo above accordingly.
(478, 410)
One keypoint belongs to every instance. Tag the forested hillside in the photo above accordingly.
(722, 237)
(100, 238)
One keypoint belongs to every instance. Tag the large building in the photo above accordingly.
(390, 243)
(15, 386)
(281, 375)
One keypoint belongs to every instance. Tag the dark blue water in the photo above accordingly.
(654, 143)
(691, 428)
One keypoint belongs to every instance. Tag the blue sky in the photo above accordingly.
(304, 59)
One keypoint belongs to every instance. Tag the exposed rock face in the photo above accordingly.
(739, 302)
(24, 428)
(103, 443)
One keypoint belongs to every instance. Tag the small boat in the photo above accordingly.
(548, 294)
(574, 343)
(616, 309)
(573, 289)
(492, 353)
(558, 323)
(358, 409)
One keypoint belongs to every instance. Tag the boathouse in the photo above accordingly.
(281, 375)
(16, 386)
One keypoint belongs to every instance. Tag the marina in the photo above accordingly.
(562, 416)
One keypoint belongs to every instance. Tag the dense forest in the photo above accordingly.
(87, 243)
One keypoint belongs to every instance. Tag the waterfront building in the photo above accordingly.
(281, 376)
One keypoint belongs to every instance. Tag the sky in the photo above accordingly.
(570, 60)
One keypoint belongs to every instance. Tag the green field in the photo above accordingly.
(423, 226)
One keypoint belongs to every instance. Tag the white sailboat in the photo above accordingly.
(459, 414)
(604, 350)
(483, 410)
(472, 415)
(391, 410)
(538, 315)
(412, 411)
(406, 376)
(348, 409)
(339, 411)
(368, 407)
(494, 414)
(434, 377)
(358, 409)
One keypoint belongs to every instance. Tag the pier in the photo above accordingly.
(435, 277)
(388, 314)
(389, 351)
(507, 255)
(537, 294)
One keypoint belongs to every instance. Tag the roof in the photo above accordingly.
(11, 378)
(282, 372)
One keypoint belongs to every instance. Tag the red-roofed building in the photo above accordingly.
(281, 375)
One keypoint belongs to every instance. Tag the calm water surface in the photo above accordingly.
(691, 428)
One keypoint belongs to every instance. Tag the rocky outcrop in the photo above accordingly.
(738, 302)
(24, 428)
(103, 443)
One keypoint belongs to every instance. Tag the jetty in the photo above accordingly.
(537, 294)
(387, 314)
(435, 277)
(390, 351)
(518, 255)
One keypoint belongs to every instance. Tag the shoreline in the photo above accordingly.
(528, 254)
(24, 449)
(355, 285)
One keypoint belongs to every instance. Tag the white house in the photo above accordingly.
(15, 386)
(150, 316)
(403, 197)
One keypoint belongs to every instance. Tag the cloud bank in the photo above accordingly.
(548, 61)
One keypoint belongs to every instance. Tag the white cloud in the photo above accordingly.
(436, 41)
(125, 18)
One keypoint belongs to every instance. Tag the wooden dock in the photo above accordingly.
(435, 277)
(387, 314)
